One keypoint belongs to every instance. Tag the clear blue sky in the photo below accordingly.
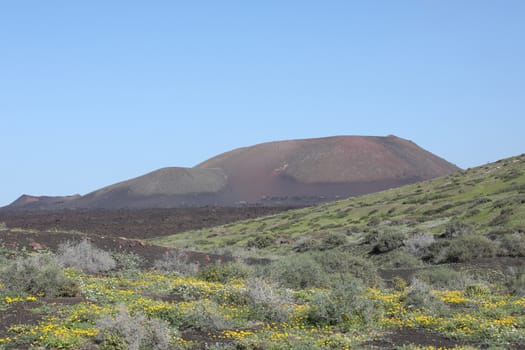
(95, 92)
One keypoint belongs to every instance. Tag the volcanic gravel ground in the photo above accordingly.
(132, 223)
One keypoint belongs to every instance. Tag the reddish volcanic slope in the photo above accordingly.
(294, 172)
(340, 165)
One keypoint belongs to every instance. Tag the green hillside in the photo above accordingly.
(470, 214)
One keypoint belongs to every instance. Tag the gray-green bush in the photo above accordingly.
(512, 244)
(127, 332)
(85, 256)
(345, 304)
(299, 272)
(445, 278)
(417, 244)
(345, 263)
(267, 301)
(225, 272)
(383, 242)
(177, 261)
(466, 248)
(37, 274)
(419, 295)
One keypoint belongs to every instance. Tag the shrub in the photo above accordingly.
(396, 259)
(513, 244)
(266, 302)
(176, 261)
(387, 241)
(126, 332)
(516, 281)
(340, 262)
(477, 290)
(420, 296)
(85, 256)
(457, 229)
(38, 274)
(445, 278)
(299, 272)
(205, 316)
(260, 242)
(332, 240)
(374, 221)
(129, 261)
(306, 244)
(345, 304)
(467, 248)
(225, 272)
(418, 244)
(503, 217)
(399, 284)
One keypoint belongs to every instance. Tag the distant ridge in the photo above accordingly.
(292, 172)
(26, 201)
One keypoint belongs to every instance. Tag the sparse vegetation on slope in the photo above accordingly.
(472, 214)
(152, 309)
(434, 265)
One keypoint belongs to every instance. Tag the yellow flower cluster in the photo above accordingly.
(498, 318)
(452, 296)
(18, 299)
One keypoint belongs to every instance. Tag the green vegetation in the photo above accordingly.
(468, 215)
(38, 275)
(252, 309)
(442, 257)
(85, 256)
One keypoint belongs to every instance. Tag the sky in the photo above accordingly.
(96, 92)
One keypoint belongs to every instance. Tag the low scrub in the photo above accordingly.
(345, 304)
(516, 281)
(225, 272)
(384, 242)
(129, 261)
(267, 301)
(347, 264)
(419, 295)
(457, 229)
(260, 242)
(206, 316)
(178, 262)
(299, 272)
(127, 332)
(396, 259)
(37, 274)
(332, 240)
(85, 256)
(418, 244)
(512, 244)
(445, 278)
(463, 249)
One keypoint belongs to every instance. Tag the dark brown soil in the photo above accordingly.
(406, 336)
(27, 314)
(132, 223)
(18, 313)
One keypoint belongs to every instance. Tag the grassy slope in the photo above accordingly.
(490, 198)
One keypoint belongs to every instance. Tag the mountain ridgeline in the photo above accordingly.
(282, 173)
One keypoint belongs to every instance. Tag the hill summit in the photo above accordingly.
(292, 172)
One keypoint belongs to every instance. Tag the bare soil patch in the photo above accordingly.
(406, 336)
(132, 223)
